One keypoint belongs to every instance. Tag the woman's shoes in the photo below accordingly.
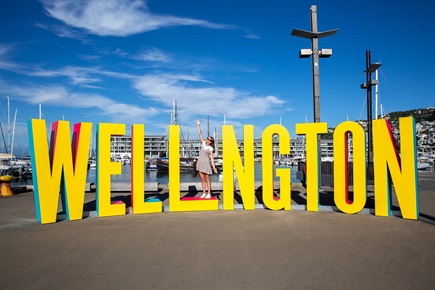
(208, 196)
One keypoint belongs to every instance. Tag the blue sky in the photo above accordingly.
(120, 61)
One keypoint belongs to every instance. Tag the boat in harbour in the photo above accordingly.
(20, 172)
(92, 164)
(151, 165)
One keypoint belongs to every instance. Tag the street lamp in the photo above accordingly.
(370, 68)
(314, 35)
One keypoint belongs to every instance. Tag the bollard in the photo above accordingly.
(6, 189)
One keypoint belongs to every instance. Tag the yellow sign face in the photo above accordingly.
(62, 166)
(341, 183)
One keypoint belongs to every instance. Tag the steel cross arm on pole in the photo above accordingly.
(314, 35)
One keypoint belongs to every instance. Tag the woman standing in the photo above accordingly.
(205, 162)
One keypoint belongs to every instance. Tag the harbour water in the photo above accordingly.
(163, 177)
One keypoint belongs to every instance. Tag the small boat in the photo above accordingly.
(20, 172)
(151, 165)
(218, 163)
(423, 166)
(93, 165)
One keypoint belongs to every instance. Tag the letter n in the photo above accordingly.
(233, 164)
(402, 171)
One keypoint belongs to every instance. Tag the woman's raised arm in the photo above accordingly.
(198, 123)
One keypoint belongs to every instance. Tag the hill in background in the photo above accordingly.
(419, 115)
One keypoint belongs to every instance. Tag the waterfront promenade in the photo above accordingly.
(259, 249)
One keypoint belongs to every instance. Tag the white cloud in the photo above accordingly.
(81, 76)
(117, 17)
(214, 101)
(195, 95)
(154, 55)
(63, 31)
(5, 52)
(252, 36)
(61, 97)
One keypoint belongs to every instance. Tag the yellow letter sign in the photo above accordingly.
(402, 170)
(68, 166)
(284, 201)
(341, 182)
(233, 163)
(312, 130)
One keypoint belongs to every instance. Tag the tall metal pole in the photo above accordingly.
(315, 65)
(314, 36)
(370, 68)
(316, 79)
(369, 106)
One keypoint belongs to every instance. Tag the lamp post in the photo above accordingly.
(314, 35)
(370, 68)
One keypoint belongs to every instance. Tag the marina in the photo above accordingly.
(161, 177)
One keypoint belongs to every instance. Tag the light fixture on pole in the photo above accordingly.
(314, 35)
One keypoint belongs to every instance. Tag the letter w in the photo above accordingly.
(62, 168)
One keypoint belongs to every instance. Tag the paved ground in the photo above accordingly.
(258, 249)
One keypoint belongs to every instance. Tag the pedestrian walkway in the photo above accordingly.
(258, 249)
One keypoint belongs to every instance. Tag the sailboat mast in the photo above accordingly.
(9, 125)
(174, 111)
(216, 141)
(208, 125)
(13, 132)
(3, 135)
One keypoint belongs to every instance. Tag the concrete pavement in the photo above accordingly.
(258, 249)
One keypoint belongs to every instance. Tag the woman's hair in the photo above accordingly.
(211, 139)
